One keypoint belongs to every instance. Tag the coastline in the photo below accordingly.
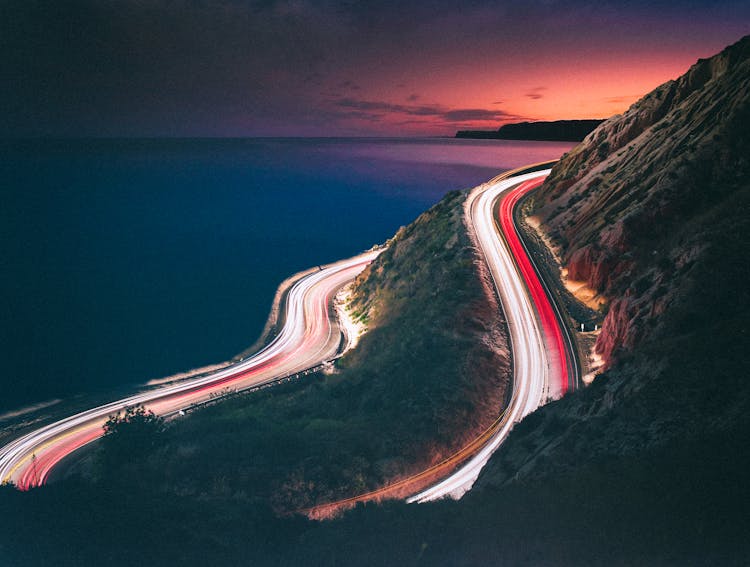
(276, 315)
(18, 422)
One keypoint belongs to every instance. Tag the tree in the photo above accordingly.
(130, 436)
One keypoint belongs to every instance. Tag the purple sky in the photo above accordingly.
(302, 68)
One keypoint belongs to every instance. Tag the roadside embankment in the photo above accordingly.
(427, 377)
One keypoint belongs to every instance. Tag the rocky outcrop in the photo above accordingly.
(653, 211)
(626, 205)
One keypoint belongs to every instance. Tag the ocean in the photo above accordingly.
(127, 260)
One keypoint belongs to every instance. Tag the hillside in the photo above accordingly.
(409, 380)
(647, 466)
(401, 401)
(652, 212)
(556, 131)
(639, 205)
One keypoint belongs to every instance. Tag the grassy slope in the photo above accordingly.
(404, 397)
(430, 373)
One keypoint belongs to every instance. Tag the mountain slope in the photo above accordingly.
(647, 466)
(634, 206)
(653, 211)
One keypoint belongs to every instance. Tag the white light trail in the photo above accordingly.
(307, 338)
(530, 363)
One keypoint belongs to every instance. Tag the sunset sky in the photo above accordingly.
(328, 68)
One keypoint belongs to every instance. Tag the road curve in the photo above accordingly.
(308, 338)
(544, 362)
(539, 350)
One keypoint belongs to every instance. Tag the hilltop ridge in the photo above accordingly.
(555, 131)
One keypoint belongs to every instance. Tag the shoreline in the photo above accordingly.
(16, 422)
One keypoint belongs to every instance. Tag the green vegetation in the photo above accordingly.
(666, 507)
(393, 406)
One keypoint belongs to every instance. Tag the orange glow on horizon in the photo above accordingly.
(551, 91)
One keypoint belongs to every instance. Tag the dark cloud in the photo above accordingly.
(312, 79)
(350, 86)
(474, 115)
(162, 67)
(385, 107)
(413, 97)
(377, 110)
(535, 93)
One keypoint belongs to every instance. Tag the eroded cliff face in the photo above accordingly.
(653, 210)
(628, 205)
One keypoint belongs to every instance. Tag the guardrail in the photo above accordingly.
(232, 393)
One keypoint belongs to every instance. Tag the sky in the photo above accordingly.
(131, 68)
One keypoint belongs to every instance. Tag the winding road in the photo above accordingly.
(542, 352)
(308, 338)
(544, 360)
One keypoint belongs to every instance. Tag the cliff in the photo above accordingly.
(652, 210)
(630, 206)
(557, 131)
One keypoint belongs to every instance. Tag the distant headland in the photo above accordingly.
(557, 131)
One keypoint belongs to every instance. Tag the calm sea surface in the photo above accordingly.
(122, 261)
